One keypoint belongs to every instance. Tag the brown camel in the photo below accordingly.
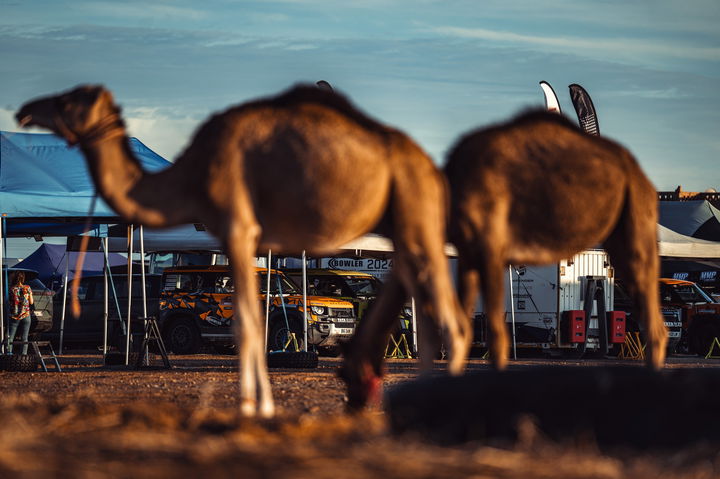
(537, 190)
(301, 171)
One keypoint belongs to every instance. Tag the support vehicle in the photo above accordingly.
(196, 308)
(561, 308)
(700, 313)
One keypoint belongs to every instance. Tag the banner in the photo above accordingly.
(585, 110)
(551, 101)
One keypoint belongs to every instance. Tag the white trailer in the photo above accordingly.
(547, 302)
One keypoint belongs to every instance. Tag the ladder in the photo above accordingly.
(152, 335)
(36, 345)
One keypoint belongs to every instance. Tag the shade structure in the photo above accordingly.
(45, 186)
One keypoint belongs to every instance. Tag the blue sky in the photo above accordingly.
(435, 69)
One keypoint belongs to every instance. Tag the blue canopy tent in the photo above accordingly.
(49, 260)
(45, 186)
(46, 189)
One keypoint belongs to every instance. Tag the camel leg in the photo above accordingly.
(492, 289)
(362, 364)
(632, 247)
(468, 285)
(255, 392)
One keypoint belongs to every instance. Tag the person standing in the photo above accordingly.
(21, 301)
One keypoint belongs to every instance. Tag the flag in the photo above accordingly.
(551, 101)
(584, 109)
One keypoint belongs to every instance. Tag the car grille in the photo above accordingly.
(341, 314)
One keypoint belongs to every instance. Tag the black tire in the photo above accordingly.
(278, 335)
(292, 360)
(182, 336)
(19, 362)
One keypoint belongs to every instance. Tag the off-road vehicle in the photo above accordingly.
(196, 308)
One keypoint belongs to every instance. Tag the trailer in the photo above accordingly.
(563, 307)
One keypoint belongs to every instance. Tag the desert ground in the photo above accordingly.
(92, 421)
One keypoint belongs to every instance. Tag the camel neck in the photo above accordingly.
(137, 196)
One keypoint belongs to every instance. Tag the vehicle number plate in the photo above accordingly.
(673, 334)
(38, 313)
(346, 331)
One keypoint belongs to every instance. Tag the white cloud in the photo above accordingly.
(604, 47)
(163, 131)
(145, 10)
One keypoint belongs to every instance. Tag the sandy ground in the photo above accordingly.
(91, 421)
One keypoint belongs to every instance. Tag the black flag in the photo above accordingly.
(584, 109)
(323, 85)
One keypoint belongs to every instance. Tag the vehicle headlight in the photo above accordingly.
(317, 309)
(407, 311)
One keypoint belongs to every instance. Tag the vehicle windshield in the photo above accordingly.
(279, 284)
(363, 286)
(691, 293)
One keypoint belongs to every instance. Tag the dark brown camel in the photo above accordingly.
(301, 171)
(537, 190)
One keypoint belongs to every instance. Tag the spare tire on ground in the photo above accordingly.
(19, 362)
(615, 406)
(292, 359)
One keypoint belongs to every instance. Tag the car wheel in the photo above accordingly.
(280, 335)
(183, 337)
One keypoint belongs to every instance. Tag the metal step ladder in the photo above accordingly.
(152, 335)
(36, 345)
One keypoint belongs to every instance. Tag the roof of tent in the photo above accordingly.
(49, 261)
(187, 238)
(42, 177)
(675, 245)
(698, 219)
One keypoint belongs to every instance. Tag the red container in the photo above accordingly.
(575, 320)
(616, 326)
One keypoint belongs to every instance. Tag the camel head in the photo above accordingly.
(363, 381)
(84, 113)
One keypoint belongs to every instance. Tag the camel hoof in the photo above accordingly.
(267, 410)
(248, 407)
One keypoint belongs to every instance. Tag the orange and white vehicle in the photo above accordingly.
(196, 308)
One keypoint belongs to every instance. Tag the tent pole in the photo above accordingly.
(64, 305)
(305, 309)
(512, 310)
(146, 358)
(106, 306)
(129, 290)
(413, 322)
(3, 283)
(267, 297)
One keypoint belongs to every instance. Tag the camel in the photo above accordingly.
(537, 190)
(304, 170)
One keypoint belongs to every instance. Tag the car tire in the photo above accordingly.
(278, 335)
(292, 360)
(183, 337)
(19, 362)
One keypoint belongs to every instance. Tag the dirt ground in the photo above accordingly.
(91, 421)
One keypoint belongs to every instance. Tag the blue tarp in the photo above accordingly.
(49, 261)
(42, 177)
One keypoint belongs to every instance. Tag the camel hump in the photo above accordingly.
(305, 93)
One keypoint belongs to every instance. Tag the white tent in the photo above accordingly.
(675, 245)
